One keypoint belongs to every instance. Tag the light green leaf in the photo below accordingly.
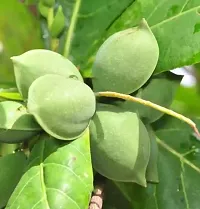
(58, 175)
(19, 32)
(175, 25)
(11, 95)
(63, 107)
(12, 167)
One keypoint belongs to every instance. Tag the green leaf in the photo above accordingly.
(160, 90)
(178, 169)
(88, 23)
(170, 25)
(114, 199)
(63, 107)
(19, 32)
(58, 175)
(16, 125)
(11, 95)
(12, 167)
(48, 62)
(120, 144)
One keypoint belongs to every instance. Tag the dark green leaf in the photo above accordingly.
(12, 167)
(175, 25)
(88, 22)
(113, 198)
(58, 175)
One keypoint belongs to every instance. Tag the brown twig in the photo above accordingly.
(96, 201)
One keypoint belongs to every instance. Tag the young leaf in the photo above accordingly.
(16, 125)
(63, 107)
(12, 167)
(58, 175)
(35, 63)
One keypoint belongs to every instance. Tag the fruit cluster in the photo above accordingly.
(56, 100)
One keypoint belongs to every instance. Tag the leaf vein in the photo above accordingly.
(182, 159)
(67, 196)
(174, 17)
(57, 164)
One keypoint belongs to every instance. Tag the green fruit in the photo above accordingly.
(159, 90)
(126, 60)
(35, 63)
(16, 125)
(58, 23)
(152, 168)
(63, 107)
(120, 144)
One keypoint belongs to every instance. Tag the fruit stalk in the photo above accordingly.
(149, 104)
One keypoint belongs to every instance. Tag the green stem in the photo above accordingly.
(50, 17)
(149, 104)
(71, 28)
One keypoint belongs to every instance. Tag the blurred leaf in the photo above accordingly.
(187, 101)
(11, 96)
(58, 175)
(19, 32)
(12, 167)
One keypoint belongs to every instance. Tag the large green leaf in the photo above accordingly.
(58, 176)
(19, 32)
(87, 21)
(175, 24)
(178, 169)
(12, 167)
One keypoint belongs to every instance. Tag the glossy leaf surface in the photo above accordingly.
(58, 175)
